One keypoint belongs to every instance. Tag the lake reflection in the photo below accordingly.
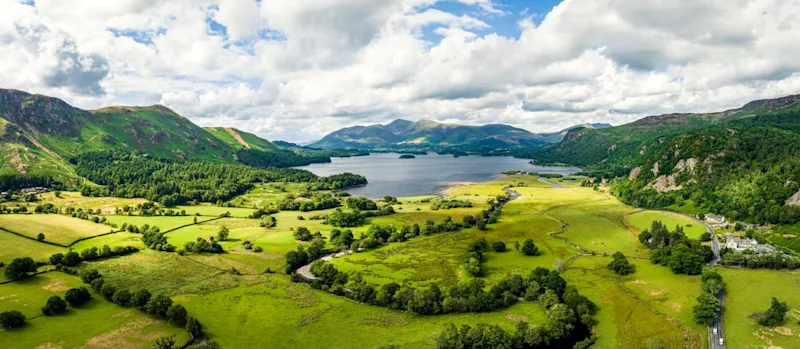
(426, 174)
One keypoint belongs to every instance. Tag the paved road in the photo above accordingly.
(545, 180)
(716, 332)
(305, 271)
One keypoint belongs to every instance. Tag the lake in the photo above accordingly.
(426, 174)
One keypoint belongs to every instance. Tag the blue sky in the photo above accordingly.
(502, 24)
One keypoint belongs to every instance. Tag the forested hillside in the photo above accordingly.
(39, 134)
(743, 163)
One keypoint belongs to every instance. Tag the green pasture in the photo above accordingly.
(215, 211)
(16, 246)
(162, 222)
(56, 228)
(643, 220)
(96, 324)
(750, 292)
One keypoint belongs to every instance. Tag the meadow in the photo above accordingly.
(575, 228)
(642, 220)
(56, 228)
(102, 324)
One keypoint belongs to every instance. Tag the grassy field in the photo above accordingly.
(16, 246)
(74, 199)
(56, 228)
(101, 324)
(295, 316)
(215, 211)
(643, 220)
(241, 306)
(163, 222)
(749, 292)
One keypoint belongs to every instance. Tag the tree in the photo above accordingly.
(302, 234)
(194, 327)
(122, 297)
(177, 315)
(775, 314)
(77, 296)
(141, 298)
(549, 298)
(40, 237)
(620, 264)
(20, 268)
(166, 342)
(159, 305)
(529, 248)
(705, 236)
(223, 233)
(499, 246)
(11, 319)
(54, 305)
(90, 275)
(707, 309)
(56, 258)
(71, 259)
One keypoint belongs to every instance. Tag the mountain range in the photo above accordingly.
(431, 135)
(39, 134)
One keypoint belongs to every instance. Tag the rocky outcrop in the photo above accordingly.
(634, 173)
(665, 183)
(655, 169)
(689, 164)
(794, 200)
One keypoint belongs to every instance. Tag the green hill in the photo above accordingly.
(40, 134)
(742, 163)
(427, 135)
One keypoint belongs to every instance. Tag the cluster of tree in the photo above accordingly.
(175, 182)
(341, 239)
(528, 248)
(301, 256)
(17, 209)
(203, 246)
(277, 158)
(262, 212)
(776, 260)
(20, 268)
(342, 219)
(391, 200)
(489, 336)
(675, 250)
(92, 253)
(155, 240)
(359, 203)
(708, 304)
(319, 201)
(774, 316)
(339, 181)
(541, 284)
(14, 181)
(474, 257)
(46, 208)
(303, 234)
(383, 211)
(448, 204)
(620, 264)
(159, 305)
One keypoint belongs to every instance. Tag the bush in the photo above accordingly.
(141, 298)
(257, 249)
(55, 305)
(71, 259)
(108, 291)
(620, 264)
(529, 248)
(177, 315)
(11, 319)
(705, 236)
(302, 234)
(90, 275)
(77, 296)
(122, 297)
(159, 305)
(499, 246)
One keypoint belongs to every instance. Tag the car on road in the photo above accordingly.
(714, 330)
(721, 341)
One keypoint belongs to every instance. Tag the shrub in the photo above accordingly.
(71, 259)
(499, 246)
(90, 275)
(56, 258)
(529, 248)
(194, 327)
(55, 305)
(159, 305)
(177, 315)
(108, 291)
(11, 319)
(77, 296)
(620, 264)
(257, 249)
(122, 297)
(141, 298)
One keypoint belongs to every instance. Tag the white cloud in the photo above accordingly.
(299, 69)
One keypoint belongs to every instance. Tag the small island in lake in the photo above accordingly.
(407, 156)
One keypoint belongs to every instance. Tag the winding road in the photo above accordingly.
(716, 332)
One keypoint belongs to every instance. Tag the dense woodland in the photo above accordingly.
(173, 182)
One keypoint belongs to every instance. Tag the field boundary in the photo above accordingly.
(191, 224)
(34, 239)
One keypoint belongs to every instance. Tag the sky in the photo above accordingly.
(298, 69)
